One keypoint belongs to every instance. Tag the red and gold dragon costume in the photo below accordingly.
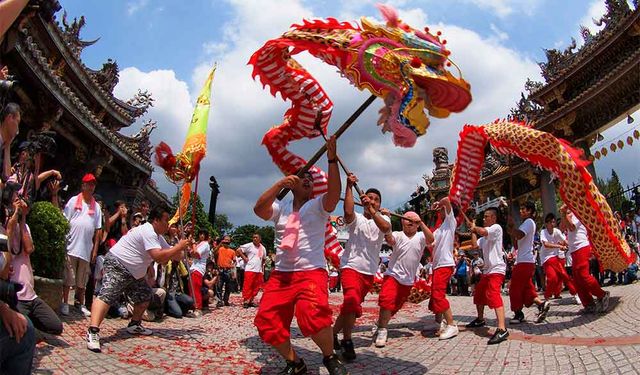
(407, 68)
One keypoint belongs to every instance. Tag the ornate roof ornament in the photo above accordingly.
(141, 102)
(557, 61)
(492, 162)
(526, 109)
(71, 34)
(108, 76)
(141, 138)
(617, 10)
(586, 34)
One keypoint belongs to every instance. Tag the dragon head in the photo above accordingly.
(408, 69)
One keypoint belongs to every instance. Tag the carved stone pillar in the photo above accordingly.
(548, 194)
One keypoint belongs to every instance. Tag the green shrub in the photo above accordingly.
(49, 230)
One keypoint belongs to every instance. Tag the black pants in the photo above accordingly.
(224, 283)
(239, 279)
(42, 316)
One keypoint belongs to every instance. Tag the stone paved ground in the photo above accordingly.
(225, 342)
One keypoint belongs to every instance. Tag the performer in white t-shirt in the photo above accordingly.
(407, 249)
(443, 267)
(298, 285)
(554, 243)
(125, 268)
(360, 260)
(487, 291)
(253, 254)
(200, 253)
(580, 251)
(522, 292)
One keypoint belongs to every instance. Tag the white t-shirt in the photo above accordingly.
(308, 253)
(200, 265)
(578, 238)
(525, 244)
(240, 262)
(443, 244)
(491, 246)
(255, 255)
(404, 260)
(362, 251)
(556, 237)
(82, 227)
(132, 250)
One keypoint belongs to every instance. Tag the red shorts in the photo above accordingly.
(355, 286)
(393, 294)
(487, 291)
(303, 293)
(438, 302)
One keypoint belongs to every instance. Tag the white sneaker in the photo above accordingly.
(576, 299)
(197, 313)
(138, 329)
(64, 309)
(86, 312)
(374, 331)
(93, 342)
(381, 339)
(449, 332)
(443, 326)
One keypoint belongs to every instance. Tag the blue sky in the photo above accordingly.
(168, 46)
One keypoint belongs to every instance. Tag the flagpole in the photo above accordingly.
(193, 208)
(184, 254)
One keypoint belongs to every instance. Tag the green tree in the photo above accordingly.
(613, 191)
(202, 219)
(222, 224)
(615, 195)
(244, 234)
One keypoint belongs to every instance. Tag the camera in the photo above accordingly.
(7, 84)
(41, 142)
(9, 293)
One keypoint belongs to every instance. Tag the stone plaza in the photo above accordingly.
(224, 341)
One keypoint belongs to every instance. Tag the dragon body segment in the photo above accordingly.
(556, 156)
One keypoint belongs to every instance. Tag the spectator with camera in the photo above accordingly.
(85, 222)
(29, 304)
(17, 334)
(9, 124)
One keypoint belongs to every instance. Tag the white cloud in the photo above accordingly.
(499, 34)
(242, 111)
(135, 6)
(171, 109)
(504, 8)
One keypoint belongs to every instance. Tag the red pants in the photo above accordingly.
(487, 290)
(438, 302)
(196, 279)
(586, 285)
(522, 292)
(393, 294)
(355, 286)
(556, 276)
(251, 286)
(303, 293)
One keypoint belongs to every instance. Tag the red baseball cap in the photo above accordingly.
(88, 178)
